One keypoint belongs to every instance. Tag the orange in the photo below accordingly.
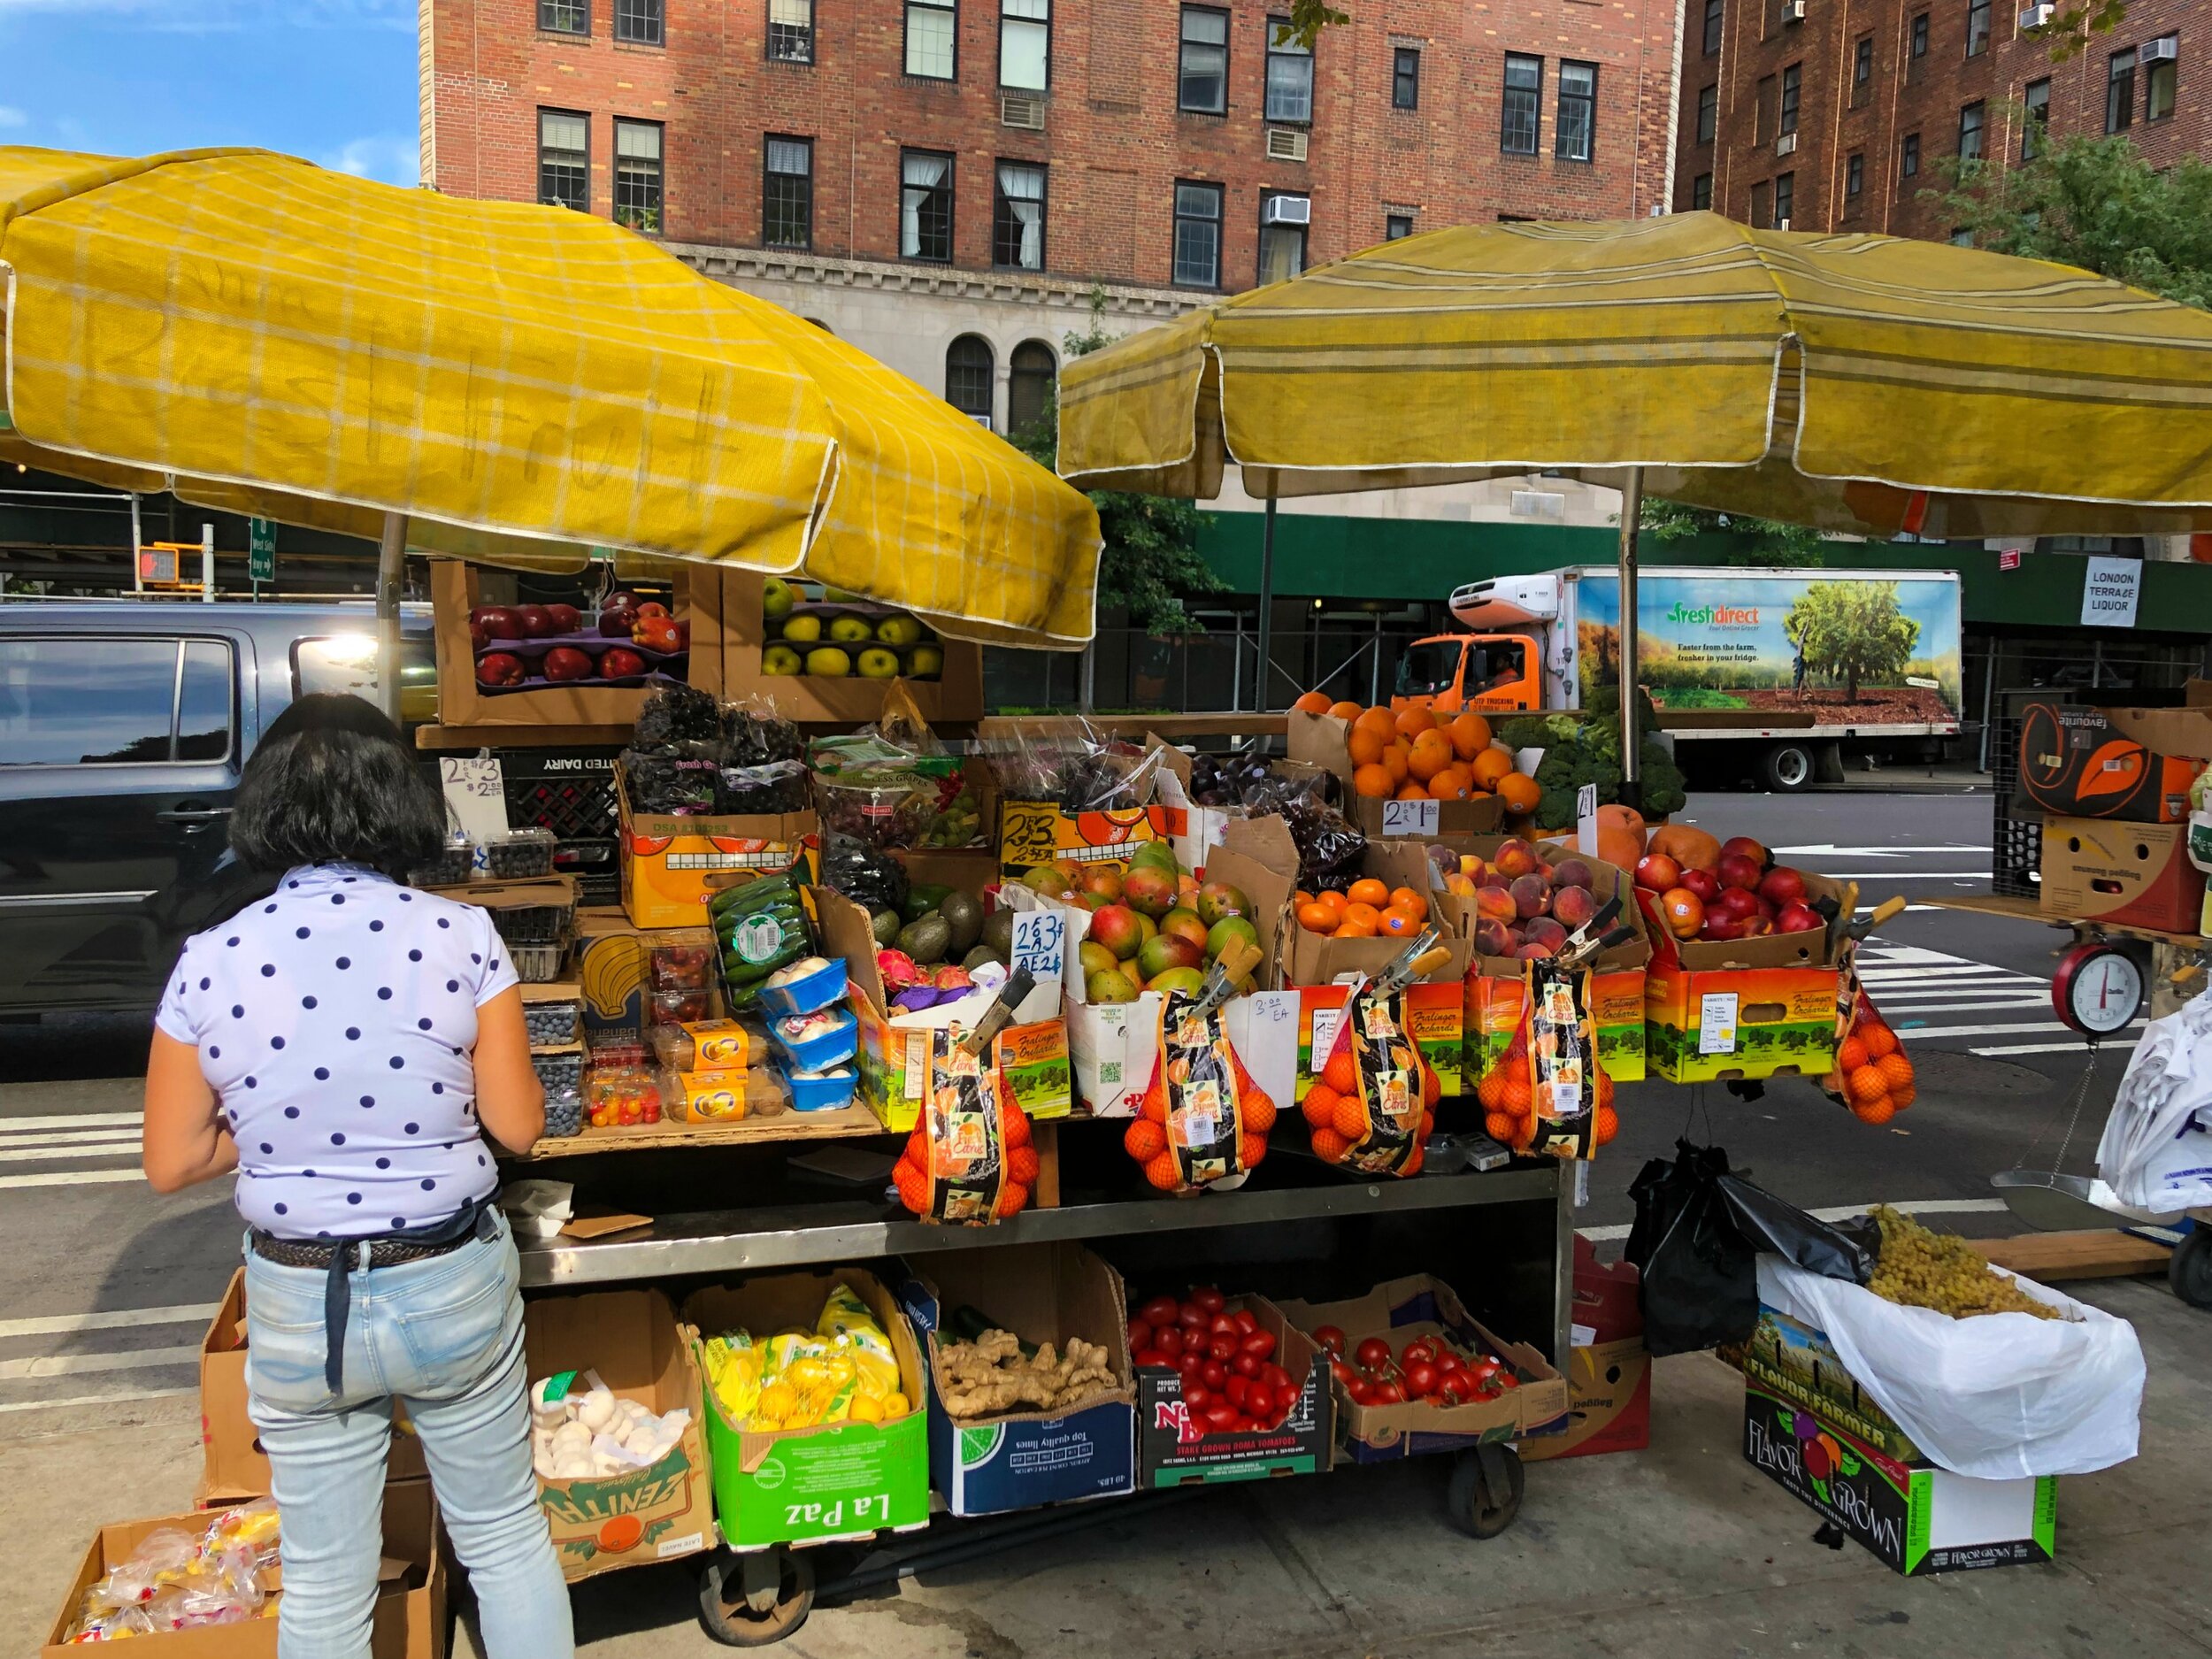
(1353, 928)
(1490, 1092)
(1394, 761)
(1896, 1070)
(1373, 780)
(1413, 722)
(1469, 735)
(1341, 1073)
(1409, 790)
(1329, 1145)
(1500, 1127)
(1867, 1084)
(1606, 1125)
(1880, 1040)
(1518, 1099)
(1367, 890)
(1346, 710)
(1432, 752)
(1407, 898)
(1319, 1106)
(1316, 918)
(1331, 897)
(1451, 784)
(1490, 764)
(1351, 1116)
(1302, 897)
(1850, 1055)
(1379, 721)
(1605, 1089)
(1164, 1173)
(1361, 912)
(1312, 703)
(1519, 794)
(1144, 1139)
(1878, 1110)
(1903, 1097)
(1366, 747)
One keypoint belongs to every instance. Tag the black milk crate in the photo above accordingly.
(570, 792)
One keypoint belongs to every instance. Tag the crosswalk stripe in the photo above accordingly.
(1945, 976)
(74, 1120)
(1890, 1005)
(96, 1400)
(1906, 1029)
(70, 1178)
(70, 1365)
(2078, 1046)
(117, 1319)
(48, 1155)
(96, 1138)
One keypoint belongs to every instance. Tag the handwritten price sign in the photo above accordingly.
(1408, 818)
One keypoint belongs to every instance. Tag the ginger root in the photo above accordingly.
(990, 1376)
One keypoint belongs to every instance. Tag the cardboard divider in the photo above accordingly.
(603, 1522)
(1609, 1369)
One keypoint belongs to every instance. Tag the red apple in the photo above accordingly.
(479, 637)
(500, 668)
(1704, 883)
(1782, 883)
(1749, 849)
(652, 607)
(1655, 872)
(1735, 903)
(621, 663)
(1798, 919)
(1755, 927)
(497, 621)
(1768, 908)
(1736, 870)
(566, 619)
(565, 662)
(1721, 928)
(535, 622)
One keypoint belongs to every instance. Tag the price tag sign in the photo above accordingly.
(1410, 818)
(1039, 937)
(1586, 820)
(475, 794)
(1716, 1023)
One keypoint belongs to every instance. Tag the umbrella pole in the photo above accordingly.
(391, 575)
(1632, 512)
(1267, 602)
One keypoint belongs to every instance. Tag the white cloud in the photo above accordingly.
(392, 160)
(13, 118)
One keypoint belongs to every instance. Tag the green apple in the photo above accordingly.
(829, 663)
(776, 598)
(839, 596)
(779, 659)
(878, 664)
(898, 630)
(802, 629)
(849, 630)
(926, 662)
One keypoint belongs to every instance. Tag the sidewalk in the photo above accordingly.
(1908, 780)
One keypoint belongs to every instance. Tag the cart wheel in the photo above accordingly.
(753, 1600)
(1486, 1490)
(2190, 1272)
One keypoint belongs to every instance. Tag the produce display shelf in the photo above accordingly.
(2027, 910)
(843, 1123)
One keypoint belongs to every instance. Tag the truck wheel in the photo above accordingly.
(1790, 767)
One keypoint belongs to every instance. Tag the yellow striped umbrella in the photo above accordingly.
(522, 384)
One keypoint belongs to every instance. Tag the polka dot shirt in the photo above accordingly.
(334, 1022)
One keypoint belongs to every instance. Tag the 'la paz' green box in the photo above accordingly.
(839, 1481)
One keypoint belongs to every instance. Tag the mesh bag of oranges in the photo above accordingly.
(1872, 1076)
(1547, 1093)
(1202, 1119)
(968, 1161)
(1374, 1103)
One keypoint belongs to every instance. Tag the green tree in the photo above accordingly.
(2097, 204)
(1852, 630)
(1750, 540)
(1150, 562)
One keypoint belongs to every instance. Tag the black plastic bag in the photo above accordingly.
(1696, 1241)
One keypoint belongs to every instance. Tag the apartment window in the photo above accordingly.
(1908, 157)
(1198, 235)
(932, 34)
(1784, 198)
(1861, 70)
(925, 204)
(1765, 111)
(1977, 27)
(1024, 44)
(1574, 135)
(637, 175)
(1917, 46)
(787, 199)
(1289, 74)
(1283, 236)
(2119, 91)
(1853, 181)
(1970, 132)
(1523, 102)
(1405, 78)
(1397, 226)
(1030, 373)
(970, 369)
(1793, 76)
(2161, 83)
(2037, 120)
(1761, 212)
(639, 22)
(565, 17)
(1707, 113)
(1702, 192)
(791, 31)
(565, 160)
(1202, 70)
(1713, 15)
(1962, 238)
(1018, 217)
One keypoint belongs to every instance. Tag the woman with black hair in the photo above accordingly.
(343, 1045)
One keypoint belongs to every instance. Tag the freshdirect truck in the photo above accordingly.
(1785, 664)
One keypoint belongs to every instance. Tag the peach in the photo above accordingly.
(1543, 931)
(1496, 904)
(1515, 857)
(1494, 938)
(1470, 864)
(1532, 952)
(1574, 906)
(1571, 872)
(1530, 896)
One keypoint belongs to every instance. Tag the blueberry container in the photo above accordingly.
(551, 1022)
(824, 1092)
(538, 964)
(808, 994)
(520, 853)
(823, 1051)
(533, 923)
(452, 868)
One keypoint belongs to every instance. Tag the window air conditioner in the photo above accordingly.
(1288, 210)
(2036, 16)
(2159, 50)
(1015, 109)
(1786, 145)
(1792, 11)
(1781, 224)
(1286, 144)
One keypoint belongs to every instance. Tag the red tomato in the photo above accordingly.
(1259, 1400)
(1459, 1385)
(1245, 1321)
(1246, 1364)
(1259, 1344)
(1446, 1361)
(1170, 1340)
(1343, 1374)
(1420, 1379)
(1220, 1415)
(1330, 1338)
(1374, 1353)
(1157, 1312)
(1221, 1324)
(1208, 1298)
(1420, 1351)
(1277, 1377)
(1139, 1335)
(1190, 1364)
(1507, 1379)
(1221, 1348)
(1195, 1397)
(1150, 1356)
(1387, 1393)
(1362, 1391)
(1191, 1317)
(1483, 1370)
(1213, 1374)
(1236, 1389)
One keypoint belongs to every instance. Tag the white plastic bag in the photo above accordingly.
(1996, 1396)
(2156, 1151)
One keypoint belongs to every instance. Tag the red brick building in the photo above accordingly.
(944, 181)
(1835, 114)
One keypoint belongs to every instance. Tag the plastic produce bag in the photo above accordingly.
(1067, 760)
(2156, 1151)
(1696, 1241)
(1997, 1396)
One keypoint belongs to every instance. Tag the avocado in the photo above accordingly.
(887, 924)
(965, 916)
(927, 940)
(998, 934)
(981, 955)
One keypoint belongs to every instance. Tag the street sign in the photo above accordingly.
(261, 550)
(2008, 558)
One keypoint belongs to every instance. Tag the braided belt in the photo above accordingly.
(317, 1253)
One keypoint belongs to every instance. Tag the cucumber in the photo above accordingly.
(751, 896)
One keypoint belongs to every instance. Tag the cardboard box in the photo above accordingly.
(1019, 1460)
(234, 1468)
(613, 970)
(2129, 764)
(408, 1621)
(632, 1339)
(802, 1486)
(2132, 875)
(1743, 1007)
(1401, 1311)
(671, 865)
(956, 693)
(1809, 1430)
(455, 589)
(1171, 1451)
(1608, 1368)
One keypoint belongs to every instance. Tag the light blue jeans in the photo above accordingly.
(444, 1336)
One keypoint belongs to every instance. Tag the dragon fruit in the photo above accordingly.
(951, 978)
(899, 970)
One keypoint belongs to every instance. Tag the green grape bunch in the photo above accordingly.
(1921, 1269)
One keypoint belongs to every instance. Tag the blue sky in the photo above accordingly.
(332, 80)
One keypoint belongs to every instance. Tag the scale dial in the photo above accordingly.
(2098, 989)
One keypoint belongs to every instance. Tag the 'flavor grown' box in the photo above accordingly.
(1741, 1008)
